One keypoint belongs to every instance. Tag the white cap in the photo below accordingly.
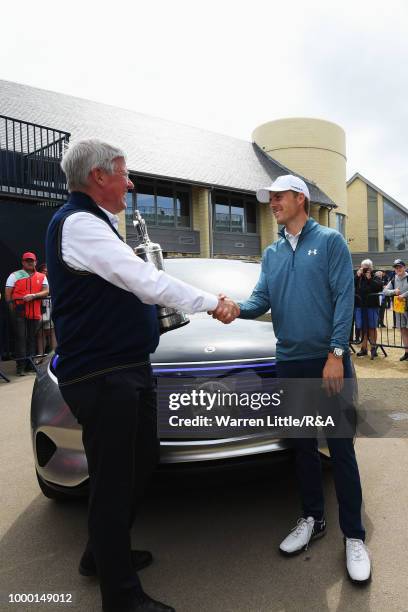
(287, 182)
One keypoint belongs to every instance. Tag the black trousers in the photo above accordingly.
(308, 465)
(25, 331)
(117, 412)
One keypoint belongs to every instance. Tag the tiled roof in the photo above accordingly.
(153, 146)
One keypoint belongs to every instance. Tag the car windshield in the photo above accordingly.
(236, 279)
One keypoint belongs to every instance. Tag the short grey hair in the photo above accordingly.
(367, 263)
(83, 156)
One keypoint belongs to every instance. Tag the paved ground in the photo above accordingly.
(215, 546)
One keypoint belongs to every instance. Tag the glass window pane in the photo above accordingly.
(222, 217)
(389, 242)
(395, 228)
(341, 224)
(237, 218)
(388, 213)
(183, 209)
(165, 207)
(399, 218)
(400, 239)
(129, 208)
(145, 204)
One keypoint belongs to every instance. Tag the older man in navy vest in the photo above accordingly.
(104, 312)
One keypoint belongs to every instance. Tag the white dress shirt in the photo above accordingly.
(293, 239)
(87, 244)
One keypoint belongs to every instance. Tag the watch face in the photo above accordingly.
(338, 352)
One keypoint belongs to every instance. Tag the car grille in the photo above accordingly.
(232, 377)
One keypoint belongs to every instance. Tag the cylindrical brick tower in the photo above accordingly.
(313, 148)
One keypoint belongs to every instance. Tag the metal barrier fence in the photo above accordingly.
(380, 323)
(29, 333)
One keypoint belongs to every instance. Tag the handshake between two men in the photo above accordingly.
(227, 310)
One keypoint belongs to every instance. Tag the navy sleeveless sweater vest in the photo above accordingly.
(99, 327)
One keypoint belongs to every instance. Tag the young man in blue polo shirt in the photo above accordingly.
(307, 282)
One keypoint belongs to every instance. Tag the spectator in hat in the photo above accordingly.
(367, 306)
(25, 289)
(398, 287)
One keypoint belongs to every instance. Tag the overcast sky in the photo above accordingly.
(229, 66)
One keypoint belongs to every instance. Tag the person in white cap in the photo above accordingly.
(398, 286)
(307, 281)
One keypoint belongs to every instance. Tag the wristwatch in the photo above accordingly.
(337, 352)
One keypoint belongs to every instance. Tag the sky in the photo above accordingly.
(229, 66)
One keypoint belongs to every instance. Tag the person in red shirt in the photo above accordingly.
(25, 289)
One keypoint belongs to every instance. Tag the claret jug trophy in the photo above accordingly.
(169, 318)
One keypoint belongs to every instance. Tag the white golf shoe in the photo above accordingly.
(358, 561)
(306, 529)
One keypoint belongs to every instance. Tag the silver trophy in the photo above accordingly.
(169, 318)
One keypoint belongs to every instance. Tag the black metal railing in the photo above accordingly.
(30, 156)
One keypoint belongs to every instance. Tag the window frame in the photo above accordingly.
(392, 232)
(246, 201)
(173, 188)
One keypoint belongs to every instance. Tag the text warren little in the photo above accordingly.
(268, 421)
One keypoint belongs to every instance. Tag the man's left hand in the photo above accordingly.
(333, 375)
(29, 297)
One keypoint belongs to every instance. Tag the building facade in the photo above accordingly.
(378, 223)
(196, 189)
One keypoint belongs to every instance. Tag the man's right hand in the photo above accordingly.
(227, 310)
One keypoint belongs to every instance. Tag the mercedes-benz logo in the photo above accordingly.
(209, 349)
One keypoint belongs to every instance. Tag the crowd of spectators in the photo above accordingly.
(375, 292)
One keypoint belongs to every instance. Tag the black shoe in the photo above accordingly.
(404, 357)
(146, 604)
(362, 353)
(140, 559)
(29, 367)
(373, 353)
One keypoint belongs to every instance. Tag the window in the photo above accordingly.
(395, 228)
(234, 213)
(160, 204)
(237, 215)
(165, 207)
(222, 214)
(372, 215)
(341, 224)
(183, 208)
